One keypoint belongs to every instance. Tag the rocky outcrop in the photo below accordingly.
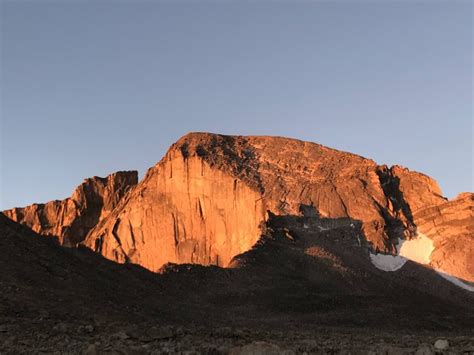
(451, 227)
(184, 211)
(205, 201)
(210, 196)
(70, 220)
(418, 190)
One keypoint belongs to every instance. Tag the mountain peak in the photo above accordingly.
(209, 200)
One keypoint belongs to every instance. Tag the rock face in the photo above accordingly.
(184, 211)
(451, 227)
(71, 219)
(210, 196)
(205, 201)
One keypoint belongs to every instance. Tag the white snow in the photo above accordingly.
(321, 228)
(419, 250)
(387, 262)
(455, 281)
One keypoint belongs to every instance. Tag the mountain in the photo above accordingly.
(209, 198)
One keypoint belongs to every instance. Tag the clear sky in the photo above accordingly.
(91, 87)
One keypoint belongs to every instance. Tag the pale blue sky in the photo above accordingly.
(91, 87)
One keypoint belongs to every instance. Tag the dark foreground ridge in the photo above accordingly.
(299, 288)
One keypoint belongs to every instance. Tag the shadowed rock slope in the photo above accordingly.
(300, 282)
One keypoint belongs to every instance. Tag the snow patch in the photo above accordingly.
(418, 249)
(456, 281)
(387, 262)
(321, 228)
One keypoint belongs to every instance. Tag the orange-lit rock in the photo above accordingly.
(184, 211)
(205, 200)
(451, 226)
(416, 189)
(70, 220)
(208, 198)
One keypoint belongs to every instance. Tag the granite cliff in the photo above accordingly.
(451, 227)
(206, 200)
(209, 198)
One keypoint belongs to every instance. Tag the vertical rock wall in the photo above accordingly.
(183, 212)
